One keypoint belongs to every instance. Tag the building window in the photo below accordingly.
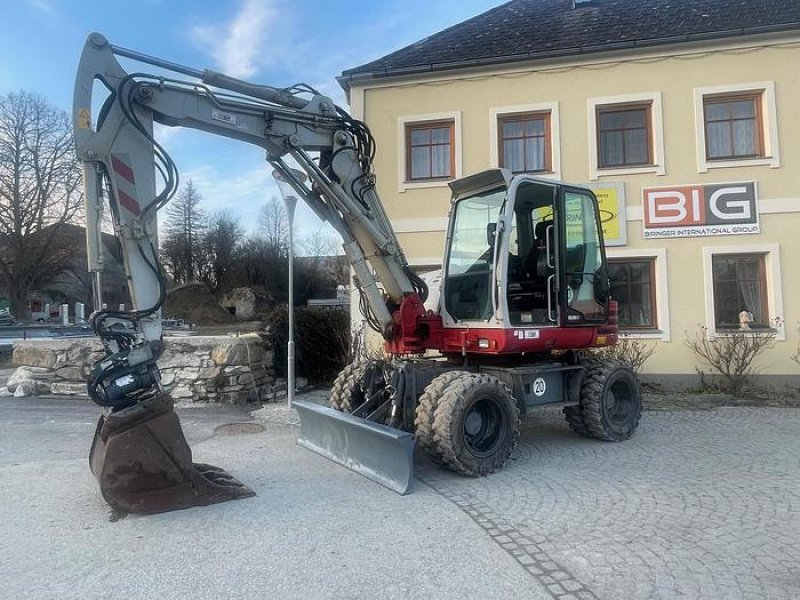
(525, 142)
(624, 138)
(733, 127)
(632, 286)
(736, 126)
(626, 135)
(740, 285)
(429, 151)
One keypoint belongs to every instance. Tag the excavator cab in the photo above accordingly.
(523, 252)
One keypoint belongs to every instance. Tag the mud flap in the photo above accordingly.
(144, 465)
(380, 453)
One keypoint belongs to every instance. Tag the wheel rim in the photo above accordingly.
(483, 427)
(620, 402)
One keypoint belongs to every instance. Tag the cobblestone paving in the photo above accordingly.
(696, 505)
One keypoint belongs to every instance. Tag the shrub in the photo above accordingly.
(632, 351)
(322, 342)
(731, 354)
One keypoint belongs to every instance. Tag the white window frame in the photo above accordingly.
(769, 123)
(402, 122)
(497, 112)
(772, 268)
(659, 256)
(656, 124)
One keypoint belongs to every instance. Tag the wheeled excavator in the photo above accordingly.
(524, 293)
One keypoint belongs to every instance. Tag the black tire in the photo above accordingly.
(346, 394)
(611, 400)
(574, 418)
(476, 425)
(426, 408)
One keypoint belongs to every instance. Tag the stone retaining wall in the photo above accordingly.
(222, 369)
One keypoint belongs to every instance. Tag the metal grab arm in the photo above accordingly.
(340, 189)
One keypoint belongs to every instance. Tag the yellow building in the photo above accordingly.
(684, 117)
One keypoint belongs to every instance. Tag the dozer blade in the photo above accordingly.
(144, 465)
(383, 454)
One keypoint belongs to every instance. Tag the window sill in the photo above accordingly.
(779, 335)
(426, 183)
(643, 334)
(598, 172)
(762, 161)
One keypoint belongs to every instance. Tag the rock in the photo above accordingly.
(167, 377)
(65, 388)
(171, 360)
(180, 392)
(233, 397)
(242, 350)
(189, 374)
(242, 301)
(24, 388)
(21, 376)
(209, 373)
(34, 355)
(71, 373)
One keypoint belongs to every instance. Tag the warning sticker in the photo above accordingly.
(83, 119)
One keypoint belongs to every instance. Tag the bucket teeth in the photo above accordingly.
(144, 465)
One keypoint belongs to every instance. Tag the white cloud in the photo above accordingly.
(46, 6)
(238, 46)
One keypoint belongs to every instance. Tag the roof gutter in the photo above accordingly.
(350, 76)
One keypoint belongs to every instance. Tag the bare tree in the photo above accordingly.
(221, 249)
(320, 243)
(39, 192)
(181, 242)
(274, 227)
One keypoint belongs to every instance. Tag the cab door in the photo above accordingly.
(584, 286)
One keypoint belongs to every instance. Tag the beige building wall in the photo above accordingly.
(673, 82)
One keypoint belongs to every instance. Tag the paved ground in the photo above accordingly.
(697, 505)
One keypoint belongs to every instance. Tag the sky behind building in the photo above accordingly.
(275, 42)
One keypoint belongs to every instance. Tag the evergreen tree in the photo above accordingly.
(182, 235)
(221, 250)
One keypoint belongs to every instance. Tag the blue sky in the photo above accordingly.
(276, 42)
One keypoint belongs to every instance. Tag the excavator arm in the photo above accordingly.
(124, 164)
(121, 151)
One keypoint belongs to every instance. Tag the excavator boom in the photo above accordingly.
(140, 455)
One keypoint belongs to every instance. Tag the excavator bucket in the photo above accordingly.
(380, 453)
(144, 465)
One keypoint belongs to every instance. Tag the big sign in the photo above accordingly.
(699, 210)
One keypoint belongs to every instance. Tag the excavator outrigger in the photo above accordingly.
(524, 292)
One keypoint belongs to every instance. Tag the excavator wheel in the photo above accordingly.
(611, 400)
(346, 395)
(144, 465)
(476, 425)
(426, 408)
(574, 418)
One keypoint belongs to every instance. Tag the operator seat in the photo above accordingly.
(536, 267)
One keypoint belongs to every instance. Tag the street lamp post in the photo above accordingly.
(290, 200)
